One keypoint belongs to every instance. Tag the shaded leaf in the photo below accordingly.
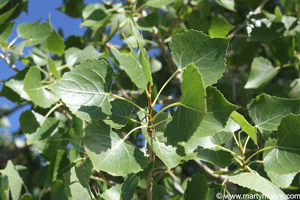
(129, 186)
(34, 88)
(95, 16)
(245, 126)
(191, 108)
(284, 158)
(120, 112)
(14, 180)
(26, 197)
(159, 3)
(52, 66)
(267, 111)
(34, 33)
(73, 8)
(5, 31)
(112, 193)
(110, 153)
(257, 183)
(6, 15)
(197, 188)
(85, 89)
(207, 54)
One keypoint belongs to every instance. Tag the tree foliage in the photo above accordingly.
(199, 100)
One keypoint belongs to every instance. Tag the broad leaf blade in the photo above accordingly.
(34, 33)
(262, 72)
(34, 88)
(229, 4)
(54, 43)
(159, 3)
(245, 126)
(74, 55)
(267, 111)
(110, 153)
(207, 54)
(129, 186)
(257, 183)
(14, 180)
(132, 67)
(85, 89)
(284, 158)
(112, 193)
(191, 109)
(282, 181)
(219, 26)
(197, 188)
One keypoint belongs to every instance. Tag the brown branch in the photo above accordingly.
(13, 154)
(96, 178)
(164, 50)
(8, 112)
(258, 9)
(150, 151)
(210, 172)
(8, 62)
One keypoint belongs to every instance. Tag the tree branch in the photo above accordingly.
(13, 154)
(8, 62)
(210, 172)
(8, 112)
(164, 50)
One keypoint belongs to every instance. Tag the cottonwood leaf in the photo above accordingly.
(112, 193)
(267, 111)
(120, 110)
(74, 55)
(159, 3)
(34, 33)
(229, 4)
(197, 188)
(5, 31)
(110, 153)
(257, 183)
(245, 126)
(129, 186)
(86, 89)
(282, 181)
(34, 88)
(262, 72)
(191, 108)
(54, 43)
(6, 15)
(14, 180)
(219, 26)
(78, 183)
(132, 66)
(284, 158)
(207, 54)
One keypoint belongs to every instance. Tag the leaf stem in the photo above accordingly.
(246, 142)
(259, 151)
(128, 134)
(161, 89)
(124, 99)
(224, 149)
(51, 110)
(165, 108)
(62, 67)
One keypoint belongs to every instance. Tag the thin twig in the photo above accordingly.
(2, 82)
(8, 62)
(96, 178)
(8, 112)
(121, 89)
(210, 172)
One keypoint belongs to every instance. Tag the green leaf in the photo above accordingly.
(191, 108)
(34, 88)
(7, 14)
(4, 189)
(219, 26)
(257, 183)
(34, 33)
(282, 181)
(3, 3)
(54, 43)
(14, 180)
(146, 66)
(74, 55)
(5, 31)
(120, 110)
(283, 49)
(52, 66)
(218, 112)
(112, 193)
(284, 158)
(159, 192)
(207, 54)
(85, 89)
(73, 8)
(95, 16)
(159, 3)
(79, 184)
(133, 68)
(245, 126)
(267, 111)
(214, 190)
(229, 4)
(129, 186)
(16, 53)
(262, 72)
(197, 188)
(15, 84)
(58, 190)
(110, 153)
(26, 197)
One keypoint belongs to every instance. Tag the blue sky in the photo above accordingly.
(38, 9)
